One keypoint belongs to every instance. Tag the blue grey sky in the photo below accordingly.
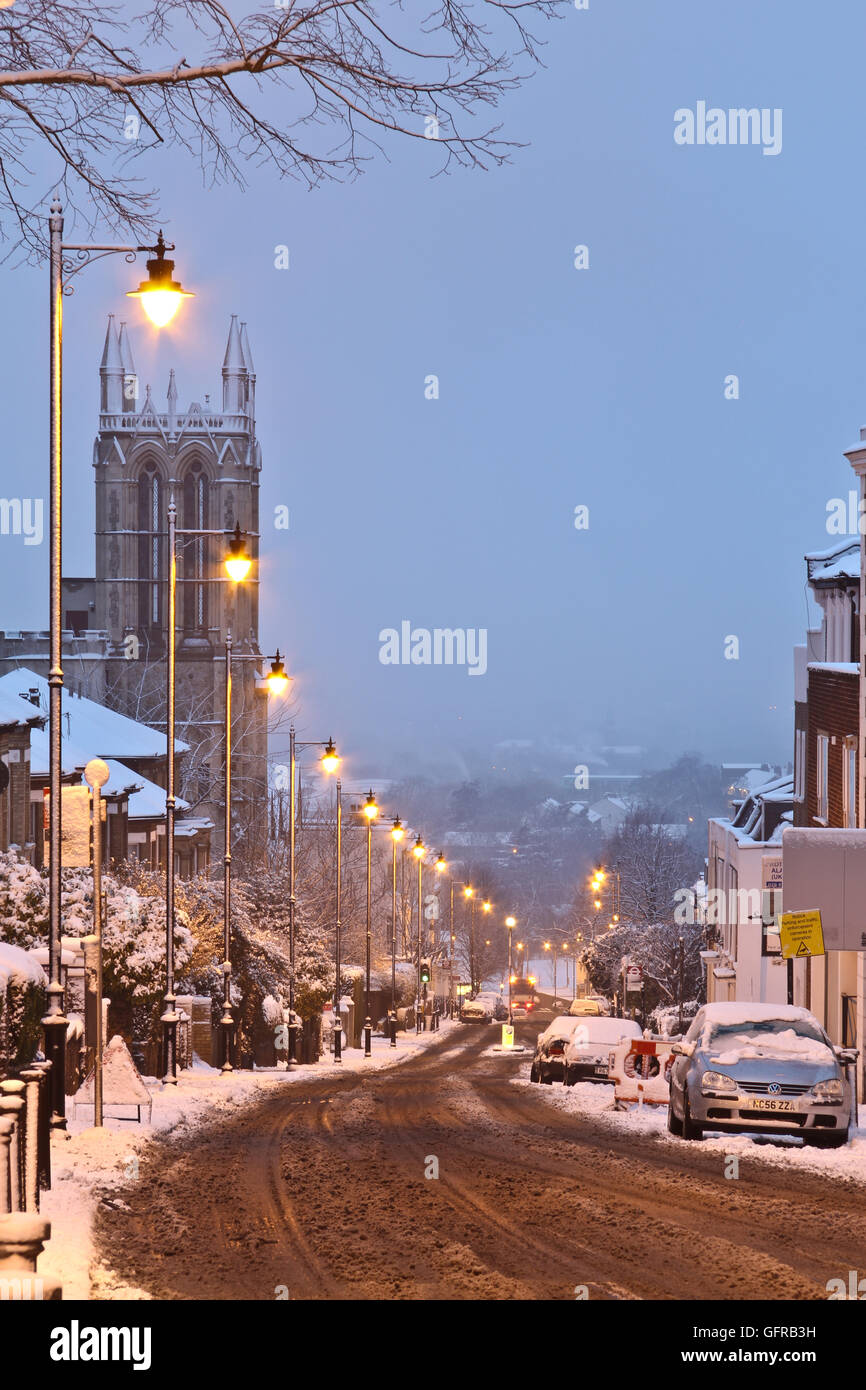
(558, 387)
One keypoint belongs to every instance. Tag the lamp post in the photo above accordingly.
(160, 296)
(96, 774)
(238, 563)
(511, 923)
(371, 811)
(552, 946)
(451, 939)
(397, 833)
(338, 1017)
(330, 762)
(419, 850)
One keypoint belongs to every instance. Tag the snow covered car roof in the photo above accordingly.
(604, 1030)
(562, 1027)
(737, 1013)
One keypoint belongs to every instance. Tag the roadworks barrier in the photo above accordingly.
(640, 1070)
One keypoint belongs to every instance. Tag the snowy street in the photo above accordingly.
(328, 1190)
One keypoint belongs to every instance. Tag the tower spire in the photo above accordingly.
(111, 372)
(234, 371)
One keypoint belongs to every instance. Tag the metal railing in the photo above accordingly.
(25, 1172)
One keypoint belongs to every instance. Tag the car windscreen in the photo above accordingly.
(604, 1030)
(781, 1038)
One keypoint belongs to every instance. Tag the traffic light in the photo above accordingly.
(425, 972)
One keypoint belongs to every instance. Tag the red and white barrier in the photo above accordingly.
(640, 1070)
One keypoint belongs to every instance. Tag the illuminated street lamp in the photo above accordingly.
(371, 811)
(160, 293)
(64, 261)
(397, 833)
(419, 849)
(329, 762)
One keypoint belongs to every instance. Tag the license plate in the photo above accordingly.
(770, 1103)
(600, 1071)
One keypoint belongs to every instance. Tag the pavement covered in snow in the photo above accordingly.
(594, 1100)
(88, 1163)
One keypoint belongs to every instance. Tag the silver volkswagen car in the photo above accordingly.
(768, 1068)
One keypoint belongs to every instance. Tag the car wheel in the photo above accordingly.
(826, 1141)
(567, 1078)
(675, 1126)
(690, 1129)
(545, 1080)
(533, 1072)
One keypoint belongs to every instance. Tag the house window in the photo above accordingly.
(771, 905)
(849, 784)
(822, 778)
(195, 505)
(733, 910)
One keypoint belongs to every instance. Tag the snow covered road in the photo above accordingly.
(442, 1178)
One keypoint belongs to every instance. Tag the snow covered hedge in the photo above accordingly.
(22, 1004)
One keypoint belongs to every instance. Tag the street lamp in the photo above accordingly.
(238, 564)
(330, 762)
(397, 833)
(419, 850)
(338, 907)
(371, 811)
(511, 923)
(160, 294)
(64, 261)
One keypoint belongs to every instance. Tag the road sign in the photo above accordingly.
(634, 977)
(801, 934)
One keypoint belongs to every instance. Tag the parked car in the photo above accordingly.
(763, 1068)
(587, 1056)
(477, 1010)
(548, 1064)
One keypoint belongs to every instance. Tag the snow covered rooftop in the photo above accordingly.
(841, 561)
(15, 710)
(146, 798)
(92, 728)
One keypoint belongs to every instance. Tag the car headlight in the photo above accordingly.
(715, 1081)
(828, 1092)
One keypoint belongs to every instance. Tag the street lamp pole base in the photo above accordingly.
(227, 1023)
(169, 1043)
(368, 1038)
(55, 1026)
(292, 1062)
(393, 1025)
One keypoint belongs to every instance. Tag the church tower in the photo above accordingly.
(209, 461)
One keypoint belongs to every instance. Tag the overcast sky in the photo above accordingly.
(601, 387)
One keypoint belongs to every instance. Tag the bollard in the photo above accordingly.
(33, 1082)
(44, 1149)
(12, 1105)
(6, 1128)
(393, 1026)
(22, 1236)
(338, 1037)
(368, 1038)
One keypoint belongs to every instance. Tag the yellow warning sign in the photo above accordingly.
(801, 934)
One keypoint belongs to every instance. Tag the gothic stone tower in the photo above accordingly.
(209, 461)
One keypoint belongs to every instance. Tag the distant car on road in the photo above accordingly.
(587, 1056)
(764, 1068)
(593, 1007)
(477, 1010)
(548, 1064)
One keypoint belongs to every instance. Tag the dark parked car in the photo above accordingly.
(548, 1064)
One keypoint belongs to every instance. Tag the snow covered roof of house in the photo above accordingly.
(103, 732)
(15, 710)
(841, 561)
(191, 826)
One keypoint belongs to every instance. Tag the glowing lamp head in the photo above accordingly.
(160, 294)
(467, 891)
(278, 678)
(370, 809)
(487, 906)
(510, 922)
(397, 831)
(330, 758)
(238, 563)
(547, 945)
(419, 849)
(441, 863)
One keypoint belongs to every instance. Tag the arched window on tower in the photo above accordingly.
(150, 525)
(195, 550)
